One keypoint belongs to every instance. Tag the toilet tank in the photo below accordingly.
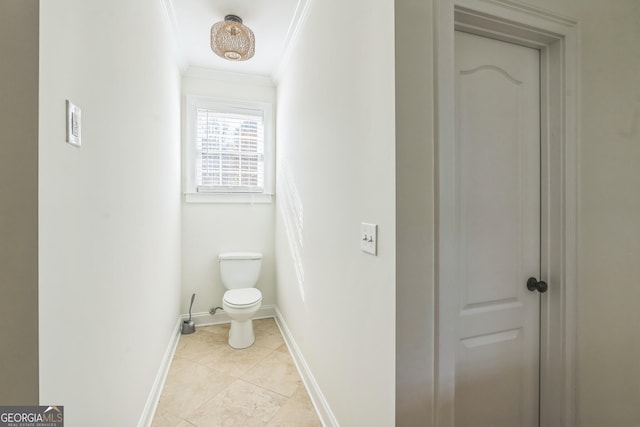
(240, 269)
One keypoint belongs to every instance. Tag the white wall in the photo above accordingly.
(609, 295)
(335, 168)
(609, 232)
(19, 202)
(211, 228)
(415, 214)
(110, 210)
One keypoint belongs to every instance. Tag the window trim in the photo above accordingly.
(229, 106)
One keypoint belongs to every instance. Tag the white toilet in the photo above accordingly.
(239, 272)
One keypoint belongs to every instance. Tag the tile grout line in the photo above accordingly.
(269, 331)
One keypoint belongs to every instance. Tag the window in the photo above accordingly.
(229, 155)
(229, 152)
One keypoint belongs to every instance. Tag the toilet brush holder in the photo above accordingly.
(189, 326)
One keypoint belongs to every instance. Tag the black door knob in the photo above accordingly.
(534, 285)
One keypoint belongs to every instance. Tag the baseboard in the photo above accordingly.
(204, 318)
(156, 390)
(317, 398)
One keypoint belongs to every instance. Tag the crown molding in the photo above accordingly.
(228, 76)
(536, 11)
(169, 13)
(297, 22)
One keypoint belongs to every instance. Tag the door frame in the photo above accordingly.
(557, 38)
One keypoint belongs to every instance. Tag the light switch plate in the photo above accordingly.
(369, 238)
(73, 124)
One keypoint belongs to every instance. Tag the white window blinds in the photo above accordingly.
(229, 151)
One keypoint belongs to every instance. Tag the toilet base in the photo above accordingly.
(241, 334)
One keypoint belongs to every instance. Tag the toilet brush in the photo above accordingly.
(188, 326)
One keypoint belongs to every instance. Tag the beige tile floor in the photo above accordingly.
(211, 384)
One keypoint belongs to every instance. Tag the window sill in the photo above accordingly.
(248, 198)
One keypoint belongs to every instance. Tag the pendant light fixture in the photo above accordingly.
(232, 40)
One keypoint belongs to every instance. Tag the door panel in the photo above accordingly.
(498, 232)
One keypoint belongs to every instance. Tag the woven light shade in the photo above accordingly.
(232, 40)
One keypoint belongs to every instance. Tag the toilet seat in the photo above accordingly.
(239, 298)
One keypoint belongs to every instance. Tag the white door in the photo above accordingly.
(498, 232)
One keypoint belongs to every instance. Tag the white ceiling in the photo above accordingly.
(272, 22)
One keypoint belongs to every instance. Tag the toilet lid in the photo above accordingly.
(242, 297)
